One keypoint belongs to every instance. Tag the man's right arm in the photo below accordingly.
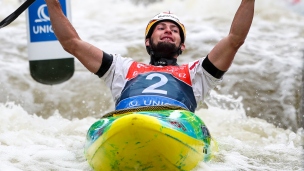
(89, 55)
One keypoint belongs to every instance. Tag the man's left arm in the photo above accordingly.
(222, 55)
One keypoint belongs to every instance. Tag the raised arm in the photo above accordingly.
(89, 55)
(222, 55)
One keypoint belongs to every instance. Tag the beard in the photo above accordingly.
(164, 50)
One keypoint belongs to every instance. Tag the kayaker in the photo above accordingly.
(162, 82)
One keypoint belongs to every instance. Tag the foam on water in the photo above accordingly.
(44, 127)
(29, 142)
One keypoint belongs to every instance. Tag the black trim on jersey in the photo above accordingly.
(105, 65)
(211, 69)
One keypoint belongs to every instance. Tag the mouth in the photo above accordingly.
(167, 39)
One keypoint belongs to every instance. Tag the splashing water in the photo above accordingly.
(253, 115)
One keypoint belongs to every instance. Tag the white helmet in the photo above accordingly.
(165, 16)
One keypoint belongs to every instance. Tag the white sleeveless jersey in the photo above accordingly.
(136, 84)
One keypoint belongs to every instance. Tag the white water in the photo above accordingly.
(44, 127)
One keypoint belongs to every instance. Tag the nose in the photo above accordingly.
(168, 30)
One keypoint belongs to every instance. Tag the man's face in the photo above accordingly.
(166, 32)
(166, 39)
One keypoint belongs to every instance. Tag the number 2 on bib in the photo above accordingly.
(153, 88)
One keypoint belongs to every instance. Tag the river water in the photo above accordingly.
(255, 114)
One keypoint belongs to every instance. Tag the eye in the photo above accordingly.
(175, 30)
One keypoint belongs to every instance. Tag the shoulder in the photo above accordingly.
(120, 59)
(121, 63)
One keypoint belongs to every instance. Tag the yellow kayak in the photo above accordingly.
(165, 140)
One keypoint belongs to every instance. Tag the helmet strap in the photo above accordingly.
(179, 50)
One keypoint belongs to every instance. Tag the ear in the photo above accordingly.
(183, 46)
(147, 42)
